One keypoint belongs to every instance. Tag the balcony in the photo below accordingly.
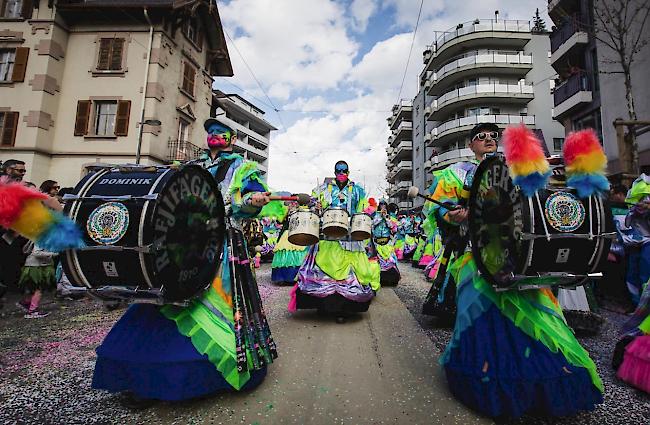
(492, 92)
(401, 111)
(466, 65)
(182, 150)
(444, 159)
(457, 127)
(568, 40)
(402, 151)
(473, 34)
(405, 204)
(557, 9)
(572, 95)
(403, 132)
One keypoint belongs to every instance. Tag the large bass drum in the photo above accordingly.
(151, 232)
(552, 238)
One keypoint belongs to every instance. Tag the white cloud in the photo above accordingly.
(361, 11)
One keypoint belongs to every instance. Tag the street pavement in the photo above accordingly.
(379, 367)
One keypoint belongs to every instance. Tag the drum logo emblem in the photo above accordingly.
(108, 223)
(564, 212)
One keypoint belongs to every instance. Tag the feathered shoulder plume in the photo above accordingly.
(585, 163)
(528, 166)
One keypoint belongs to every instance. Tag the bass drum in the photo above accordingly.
(149, 230)
(552, 238)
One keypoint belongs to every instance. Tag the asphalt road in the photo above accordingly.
(379, 367)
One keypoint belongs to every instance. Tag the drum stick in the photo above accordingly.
(301, 198)
(240, 344)
(414, 192)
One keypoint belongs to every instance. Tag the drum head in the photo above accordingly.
(495, 221)
(189, 229)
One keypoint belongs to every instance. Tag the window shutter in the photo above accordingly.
(9, 129)
(27, 10)
(186, 70)
(20, 64)
(103, 58)
(190, 79)
(122, 118)
(82, 119)
(116, 54)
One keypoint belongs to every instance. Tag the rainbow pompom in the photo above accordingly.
(585, 163)
(22, 210)
(525, 158)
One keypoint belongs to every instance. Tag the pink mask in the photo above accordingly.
(341, 178)
(217, 141)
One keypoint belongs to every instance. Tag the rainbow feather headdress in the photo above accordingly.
(22, 210)
(528, 166)
(585, 163)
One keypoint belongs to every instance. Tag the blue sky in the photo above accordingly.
(333, 69)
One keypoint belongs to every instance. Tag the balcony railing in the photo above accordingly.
(572, 25)
(490, 88)
(481, 58)
(576, 83)
(182, 150)
(473, 120)
(469, 27)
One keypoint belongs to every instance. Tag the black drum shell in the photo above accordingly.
(97, 268)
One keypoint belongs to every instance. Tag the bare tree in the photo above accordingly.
(620, 25)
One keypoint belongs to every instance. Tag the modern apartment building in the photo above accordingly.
(400, 154)
(77, 77)
(253, 131)
(579, 97)
(489, 70)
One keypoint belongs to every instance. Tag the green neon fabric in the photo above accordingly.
(336, 262)
(385, 251)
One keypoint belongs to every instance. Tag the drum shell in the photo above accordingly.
(336, 223)
(110, 267)
(304, 228)
(360, 227)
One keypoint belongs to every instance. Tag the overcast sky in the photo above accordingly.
(334, 70)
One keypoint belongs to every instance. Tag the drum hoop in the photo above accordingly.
(72, 257)
(476, 254)
(143, 214)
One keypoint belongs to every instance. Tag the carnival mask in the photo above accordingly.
(219, 136)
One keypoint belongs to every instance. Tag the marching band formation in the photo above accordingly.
(507, 241)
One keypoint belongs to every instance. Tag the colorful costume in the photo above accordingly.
(384, 228)
(337, 276)
(176, 353)
(511, 352)
(271, 230)
(287, 258)
(636, 237)
(632, 355)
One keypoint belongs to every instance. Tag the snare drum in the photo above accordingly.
(336, 223)
(360, 227)
(304, 228)
(154, 233)
(551, 238)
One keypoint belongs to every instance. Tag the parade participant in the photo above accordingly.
(287, 257)
(337, 277)
(410, 240)
(384, 228)
(631, 359)
(511, 352)
(637, 240)
(400, 236)
(176, 353)
(271, 231)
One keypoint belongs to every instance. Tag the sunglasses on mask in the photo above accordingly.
(342, 171)
(482, 136)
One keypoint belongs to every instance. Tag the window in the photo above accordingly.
(189, 75)
(193, 31)
(8, 127)
(109, 118)
(13, 64)
(110, 53)
(558, 142)
(11, 8)
(183, 131)
(105, 113)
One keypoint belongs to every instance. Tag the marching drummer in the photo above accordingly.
(337, 277)
(511, 352)
(177, 353)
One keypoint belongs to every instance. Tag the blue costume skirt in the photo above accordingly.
(146, 354)
(499, 371)
(284, 274)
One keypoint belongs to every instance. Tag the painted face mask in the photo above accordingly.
(341, 178)
(219, 137)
